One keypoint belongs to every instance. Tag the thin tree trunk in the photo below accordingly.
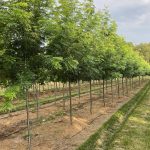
(70, 103)
(55, 91)
(127, 86)
(122, 86)
(28, 119)
(64, 101)
(56, 86)
(118, 87)
(90, 97)
(104, 92)
(106, 86)
(37, 102)
(99, 88)
(130, 84)
(67, 87)
(79, 90)
(112, 95)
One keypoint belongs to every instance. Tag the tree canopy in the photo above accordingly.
(63, 40)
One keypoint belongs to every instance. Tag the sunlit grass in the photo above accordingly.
(135, 135)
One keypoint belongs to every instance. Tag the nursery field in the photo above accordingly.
(53, 130)
(65, 74)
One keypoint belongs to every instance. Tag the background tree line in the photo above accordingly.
(144, 50)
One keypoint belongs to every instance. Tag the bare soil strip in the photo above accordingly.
(54, 131)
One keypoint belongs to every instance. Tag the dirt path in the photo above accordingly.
(57, 133)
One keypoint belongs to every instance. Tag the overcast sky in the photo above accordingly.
(132, 17)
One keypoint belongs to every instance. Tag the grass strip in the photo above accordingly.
(104, 136)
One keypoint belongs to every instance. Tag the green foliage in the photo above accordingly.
(9, 95)
(144, 50)
(64, 40)
(56, 62)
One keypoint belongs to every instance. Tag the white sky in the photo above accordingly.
(132, 17)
